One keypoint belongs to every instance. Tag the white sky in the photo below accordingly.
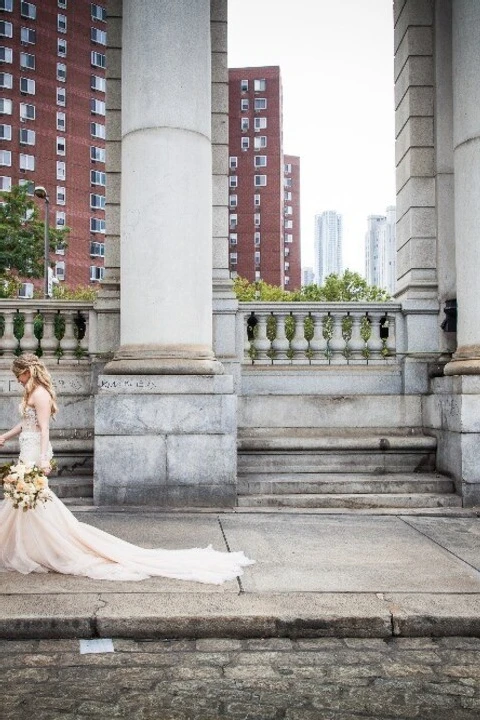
(336, 61)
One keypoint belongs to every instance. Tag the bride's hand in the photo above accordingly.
(46, 469)
(2, 440)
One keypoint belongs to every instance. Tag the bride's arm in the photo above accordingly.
(42, 403)
(11, 433)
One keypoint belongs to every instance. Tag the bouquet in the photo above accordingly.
(25, 485)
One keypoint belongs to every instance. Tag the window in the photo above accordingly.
(6, 5)
(28, 10)
(244, 104)
(260, 161)
(288, 210)
(61, 96)
(260, 142)
(244, 124)
(233, 238)
(97, 59)
(96, 273)
(288, 167)
(61, 121)
(5, 158)
(28, 36)
(233, 221)
(258, 275)
(97, 202)
(61, 195)
(287, 182)
(97, 225)
(61, 146)
(288, 239)
(6, 80)
(5, 183)
(233, 162)
(61, 72)
(61, 47)
(27, 137)
(98, 83)
(29, 184)
(288, 224)
(256, 219)
(6, 29)
(245, 143)
(257, 257)
(97, 154)
(27, 87)
(260, 104)
(287, 251)
(5, 106)
(256, 199)
(244, 85)
(61, 170)
(98, 36)
(233, 181)
(27, 162)
(60, 249)
(6, 55)
(97, 130)
(62, 4)
(287, 279)
(233, 201)
(27, 112)
(97, 178)
(98, 12)
(288, 195)
(259, 85)
(61, 23)
(97, 249)
(5, 132)
(260, 180)
(27, 61)
(233, 258)
(256, 238)
(259, 123)
(60, 270)
(60, 219)
(97, 107)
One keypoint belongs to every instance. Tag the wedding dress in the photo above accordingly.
(50, 538)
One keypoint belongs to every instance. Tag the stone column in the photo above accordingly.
(466, 134)
(166, 195)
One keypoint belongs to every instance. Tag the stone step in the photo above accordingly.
(342, 483)
(353, 501)
(77, 502)
(76, 486)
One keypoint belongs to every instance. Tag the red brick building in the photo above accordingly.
(52, 120)
(291, 198)
(256, 181)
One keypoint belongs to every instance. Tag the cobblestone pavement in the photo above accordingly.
(324, 679)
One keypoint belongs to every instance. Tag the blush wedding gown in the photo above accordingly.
(50, 538)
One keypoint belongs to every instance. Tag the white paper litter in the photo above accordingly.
(100, 645)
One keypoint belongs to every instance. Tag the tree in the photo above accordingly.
(349, 287)
(22, 236)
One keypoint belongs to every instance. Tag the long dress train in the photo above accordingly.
(50, 538)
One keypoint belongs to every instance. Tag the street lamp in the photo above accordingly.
(41, 193)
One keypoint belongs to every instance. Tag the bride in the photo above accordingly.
(48, 537)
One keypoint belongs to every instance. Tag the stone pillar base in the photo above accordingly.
(165, 441)
(466, 361)
(164, 360)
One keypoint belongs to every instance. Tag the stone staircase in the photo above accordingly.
(351, 469)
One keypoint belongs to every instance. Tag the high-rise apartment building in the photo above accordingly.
(328, 245)
(380, 250)
(264, 185)
(52, 120)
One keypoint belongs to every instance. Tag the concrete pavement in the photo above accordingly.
(316, 575)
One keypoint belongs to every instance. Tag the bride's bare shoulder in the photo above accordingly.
(39, 395)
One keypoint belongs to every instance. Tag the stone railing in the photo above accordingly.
(52, 328)
(321, 333)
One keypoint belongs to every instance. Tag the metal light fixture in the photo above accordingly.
(41, 193)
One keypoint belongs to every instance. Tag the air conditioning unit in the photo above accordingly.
(26, 291)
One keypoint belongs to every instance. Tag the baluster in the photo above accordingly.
(365, 334)
(280, 344)
(68, 343)
(318, 342)
(298, 343)
(309, 329)
(356, 343)
(262, 343)
(337, 342)
(390, 343)
(375, 343)
(84, 343)
(29, 341)
(49, 341)
(8, 342)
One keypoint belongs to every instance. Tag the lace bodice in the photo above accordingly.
(29, 420)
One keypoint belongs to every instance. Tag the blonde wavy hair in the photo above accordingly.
(39, 375)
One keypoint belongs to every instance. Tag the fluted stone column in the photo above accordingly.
(466, 131)
(166, 195)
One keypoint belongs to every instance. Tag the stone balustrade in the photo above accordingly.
(321, 333)
(57, 329)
